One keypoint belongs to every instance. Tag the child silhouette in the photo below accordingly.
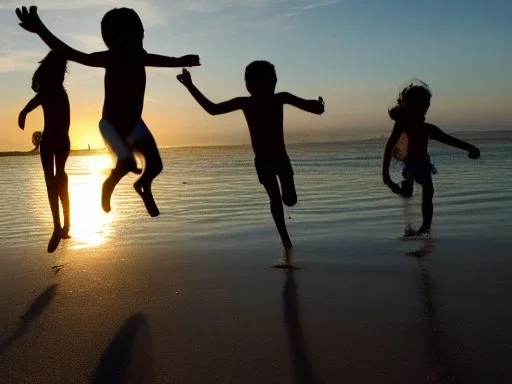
(51, 95)
(263, 111)
(125, 83)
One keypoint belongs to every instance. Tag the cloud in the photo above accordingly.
(12, 59)
(150, 11)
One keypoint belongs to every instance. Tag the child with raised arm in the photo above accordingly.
(51, 95)
(263, 111)
(409, 116)
(125, 83)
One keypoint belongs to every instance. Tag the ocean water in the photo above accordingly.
(210, 198)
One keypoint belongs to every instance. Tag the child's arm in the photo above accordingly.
(31, 22)
(208, 106)
(31, 105)
(393, 139)
(437, 134)
(312, 106)
(152, 60)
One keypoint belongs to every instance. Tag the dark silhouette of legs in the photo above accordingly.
(47, 160)
(153, 167)
(110, 183)
(427, 207)
(276, 207)
(61, 179)
(288, 190)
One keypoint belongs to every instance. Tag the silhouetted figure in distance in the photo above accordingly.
(51, 95)
(125, 82)
(263, 111)
(409, 116)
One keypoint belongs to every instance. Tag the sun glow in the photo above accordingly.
(90, 226)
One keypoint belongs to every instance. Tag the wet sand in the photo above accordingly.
(176, 315)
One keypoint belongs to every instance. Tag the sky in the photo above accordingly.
(355, 54)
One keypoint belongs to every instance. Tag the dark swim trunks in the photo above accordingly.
(268, 167)
(416, 172)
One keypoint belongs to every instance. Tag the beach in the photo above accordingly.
(192, 297)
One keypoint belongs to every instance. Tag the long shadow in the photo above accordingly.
(304, 372)
(129, 356)
(33, 312)
(443, 362)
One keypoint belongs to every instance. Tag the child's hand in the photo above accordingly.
(191, 61)
(30, 20)
(474, 153)
(185, 78)
(321, 105)
(21, 121)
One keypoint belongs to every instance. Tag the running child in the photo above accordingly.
(409, 115)
(51, 95)
(263, 111)
(125, 83)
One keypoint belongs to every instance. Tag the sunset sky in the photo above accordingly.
(356, 54)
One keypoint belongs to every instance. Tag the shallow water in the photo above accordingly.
(211, 198)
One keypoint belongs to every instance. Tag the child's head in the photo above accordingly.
(413, 101)
(260, 78)
(122, 30)
(50, 73)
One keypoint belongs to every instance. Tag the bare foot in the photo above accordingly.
(409, 232)
(65, 232)
(147, 198)
(423, 231)
(106, 193)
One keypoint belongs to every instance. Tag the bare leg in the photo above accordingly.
(47, 161)
(288, 190)
(110, 183)
(427, 207)
(153, 166)
(276, 208)
(62, 189)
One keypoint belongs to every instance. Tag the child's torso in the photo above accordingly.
(56, 111)
(265, 120)
(125, 85)
(418, 136)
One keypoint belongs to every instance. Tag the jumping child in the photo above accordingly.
(51, 95)
(263, 111)
(125, 83)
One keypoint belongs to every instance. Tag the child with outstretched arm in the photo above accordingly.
(125, 83)
(48, 83)
(409, 116)
(263, 111)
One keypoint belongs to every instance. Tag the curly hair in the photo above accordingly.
(122, 29)
(50, 73)
(417, 91)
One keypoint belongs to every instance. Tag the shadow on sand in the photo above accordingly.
(33, 312)
(304, 372)
(129, 356)
(442, 367)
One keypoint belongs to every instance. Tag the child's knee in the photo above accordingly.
(61, 178)
(290, 201)
(159, 167)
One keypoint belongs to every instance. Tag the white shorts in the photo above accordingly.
(123, 147)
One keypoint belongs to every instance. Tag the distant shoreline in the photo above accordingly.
(501, 135)
(74, 152)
